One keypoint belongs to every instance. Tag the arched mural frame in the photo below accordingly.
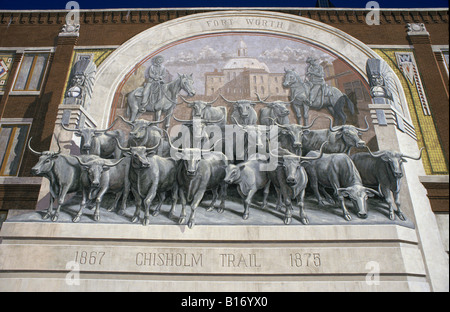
(115, 68)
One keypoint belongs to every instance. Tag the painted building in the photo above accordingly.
(56, 75)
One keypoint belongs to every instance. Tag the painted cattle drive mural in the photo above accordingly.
(236, 129)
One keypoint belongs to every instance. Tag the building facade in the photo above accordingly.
(54, 73)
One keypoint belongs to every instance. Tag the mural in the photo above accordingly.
(6, 61)
(274, 128)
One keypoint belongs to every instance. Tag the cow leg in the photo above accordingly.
(344, 208)
(388, 197)
(182, 218)
(162, 197)
(397, 203)
(61, 199)
(126, 192)
(50, 208)
(98, 201)
(266, 194)
(116, 200)
(288, 211)
(174, 201)
(223, 196)
(279, 199)
(138, 203)
(326, 195)
(213, 201)
(301, 203)
(82, 206)
(148, 201)
(247, 203)
(315, 186)
(195, 202)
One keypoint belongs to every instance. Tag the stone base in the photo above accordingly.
(45, 256)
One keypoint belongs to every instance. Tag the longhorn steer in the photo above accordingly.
(100, 176)
(253, 138)
(197, 174)
(99, 142)
(291, 136)
(205, 110)
(290, 181)
(384, 170)
(243, 111)
(151, 175)
(275, 110)
(337, 171)
(340, 139)
(200, 131)
(63, 173)
(249, 179)
(146, 133)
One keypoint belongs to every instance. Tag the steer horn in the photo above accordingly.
(183, 121)
(275, 121)
(373, 155)
(264, 101)
(367, 124)
(107, 129)
(333, 129)
(32, 150)
(232, 102)
(126, 121)
(123, 149)
(420, 155)
(115, 164)
(313, 157)
(80, 161)
(149, 149)
(69, 129)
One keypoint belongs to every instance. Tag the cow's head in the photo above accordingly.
(199, 127)
(139, 128)
(255, 133)
(243, 107)
(139, 154)
(294, 133)
(394, 160)
(232, 173)
(96, 167)
(198, 107)
(291, 163)
(190, 156)
(87, 136)
(279, 108)
(46, 160)
(350, 134)
(358, 195)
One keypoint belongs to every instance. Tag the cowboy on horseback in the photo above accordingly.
(315, 77)
(152, 87)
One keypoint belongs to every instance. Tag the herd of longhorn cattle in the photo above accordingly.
(147, 164)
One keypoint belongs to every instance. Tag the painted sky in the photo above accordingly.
(206, 54)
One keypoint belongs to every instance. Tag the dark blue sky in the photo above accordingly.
(90, 4)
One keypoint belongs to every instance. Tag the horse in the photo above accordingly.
(300, 98)
(165, 104)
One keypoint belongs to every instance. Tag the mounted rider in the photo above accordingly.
(155, 77)
(315, 77)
